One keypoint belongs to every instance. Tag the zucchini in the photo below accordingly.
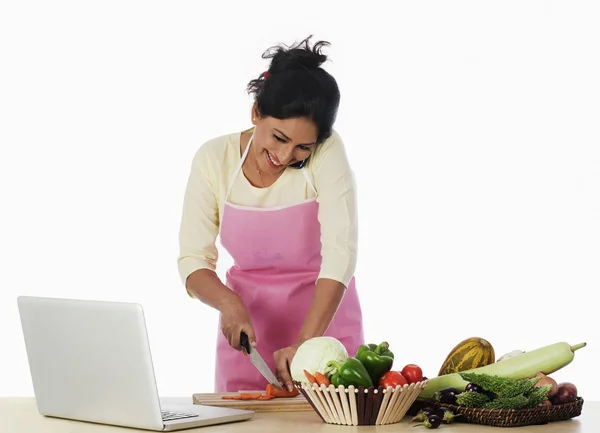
(547, 360)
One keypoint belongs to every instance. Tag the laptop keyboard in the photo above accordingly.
(172, 416)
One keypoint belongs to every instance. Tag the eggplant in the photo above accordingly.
(433, 421)
(445, 414)
(424, 413)
(447, 395)
(474, 388)
(428, 411)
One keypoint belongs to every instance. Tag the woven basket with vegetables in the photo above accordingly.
(359, 390)
(514, 391)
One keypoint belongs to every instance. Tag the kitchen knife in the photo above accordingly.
(258, 362)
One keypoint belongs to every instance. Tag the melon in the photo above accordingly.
(470, 353)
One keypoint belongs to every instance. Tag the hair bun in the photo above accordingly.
(295, 86)
(298, 56)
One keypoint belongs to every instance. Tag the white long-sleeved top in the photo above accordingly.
(212, 169)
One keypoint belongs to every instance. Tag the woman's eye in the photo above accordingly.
(281, 140)
(304, 148)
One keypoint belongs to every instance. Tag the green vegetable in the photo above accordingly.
(351, 372)
(385, 351)
(374, 360)
(517, 402)
(509, 395)
(448, 415)
(538, 395)
(313, 356)
(472, 399)
(547, 360)
(500, 385)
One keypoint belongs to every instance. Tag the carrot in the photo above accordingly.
(322, 379)
(274, 392)
(246, 396)
(310, 377)
(242, 396)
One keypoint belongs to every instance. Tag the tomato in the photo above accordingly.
(393, 379)
(412, 373)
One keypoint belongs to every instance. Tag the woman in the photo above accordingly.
(281, 195)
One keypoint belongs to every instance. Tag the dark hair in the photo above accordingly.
(295, 85)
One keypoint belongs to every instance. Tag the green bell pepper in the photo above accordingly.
(351, 372)
(382, 349)
(377, 360)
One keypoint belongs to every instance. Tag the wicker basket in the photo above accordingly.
(361, 406)
(516, 418)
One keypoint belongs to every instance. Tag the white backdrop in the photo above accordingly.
(472, 127)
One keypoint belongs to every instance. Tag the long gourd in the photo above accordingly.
(547, 359)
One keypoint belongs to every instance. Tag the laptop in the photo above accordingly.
(90, 361)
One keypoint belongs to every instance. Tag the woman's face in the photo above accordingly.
(279, 143)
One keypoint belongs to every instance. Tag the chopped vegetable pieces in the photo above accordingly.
(271, 392)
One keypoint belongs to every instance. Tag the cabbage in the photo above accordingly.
(313, 356)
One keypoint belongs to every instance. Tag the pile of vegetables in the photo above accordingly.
(325, 361)
(516, 365)
(495, 392)
(469, 378)
(432, 418)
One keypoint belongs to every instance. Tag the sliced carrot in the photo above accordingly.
(242, 396)
(310, 377)
(246, 396)
(274, 392)
(322, 379)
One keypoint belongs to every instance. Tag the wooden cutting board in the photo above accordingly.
(290, 404)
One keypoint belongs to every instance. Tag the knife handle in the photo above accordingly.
(245, 342)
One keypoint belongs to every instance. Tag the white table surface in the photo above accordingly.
(19, 415)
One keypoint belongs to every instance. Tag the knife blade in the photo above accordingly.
(258, 362)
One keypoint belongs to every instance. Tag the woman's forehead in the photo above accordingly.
(300, 130)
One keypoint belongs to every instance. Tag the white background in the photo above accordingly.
(472, 127)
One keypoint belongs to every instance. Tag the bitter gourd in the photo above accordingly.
(538, 395)
(501, 386)
(472, 399)
(516, 402)
(527, 400)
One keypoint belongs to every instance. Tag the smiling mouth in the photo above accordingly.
(272, 159)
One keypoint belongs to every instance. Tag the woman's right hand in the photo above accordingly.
(235, 319)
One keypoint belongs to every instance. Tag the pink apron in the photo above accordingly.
(277, 257)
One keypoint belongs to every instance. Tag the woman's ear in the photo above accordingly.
(255, 114)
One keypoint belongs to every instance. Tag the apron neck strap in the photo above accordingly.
(308, 181)
(239, 167)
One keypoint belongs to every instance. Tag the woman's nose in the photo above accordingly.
(285, 155)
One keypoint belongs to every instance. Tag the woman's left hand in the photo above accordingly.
(283, 361)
